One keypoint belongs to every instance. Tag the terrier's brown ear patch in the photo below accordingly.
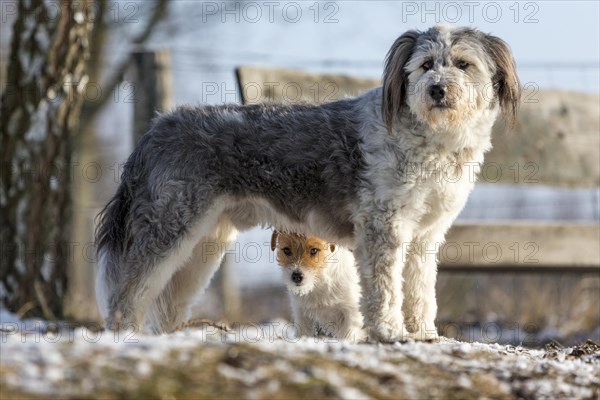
(274, 240)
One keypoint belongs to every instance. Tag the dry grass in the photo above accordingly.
(565, 303)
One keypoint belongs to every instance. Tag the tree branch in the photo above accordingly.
(90, 108)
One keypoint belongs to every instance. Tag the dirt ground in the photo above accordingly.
(266, 362)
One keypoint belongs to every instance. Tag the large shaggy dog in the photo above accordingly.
(384, 173)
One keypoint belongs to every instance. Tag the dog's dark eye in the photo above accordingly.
(314, 251)
(461, 64)
(287, 251)
(427, 65)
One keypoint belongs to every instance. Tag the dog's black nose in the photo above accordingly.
(297, 277)
(437, 92)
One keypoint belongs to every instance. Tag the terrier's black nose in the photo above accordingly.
(297, 277)
(437, 92)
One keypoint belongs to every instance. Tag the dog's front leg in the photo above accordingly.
(420, 271)
(304, 324)
(351, 326)
(380, 259)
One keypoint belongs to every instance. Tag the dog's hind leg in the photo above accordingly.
(141, 282)
(171, 308)
(161, 243)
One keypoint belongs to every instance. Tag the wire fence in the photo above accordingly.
(579, 75)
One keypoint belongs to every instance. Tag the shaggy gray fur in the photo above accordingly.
(343, 171)
(300, 158)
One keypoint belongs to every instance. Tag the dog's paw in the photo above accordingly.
(422, 331)
(425, 335)
(356, 335)
(389, 331)
(117, 322)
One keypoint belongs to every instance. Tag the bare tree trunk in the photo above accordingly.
(40, 111)
(157, 13)
(89, 197)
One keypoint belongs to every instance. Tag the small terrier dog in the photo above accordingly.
(323, 285)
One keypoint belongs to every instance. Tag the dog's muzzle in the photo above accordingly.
(297, 277)
(437, 92)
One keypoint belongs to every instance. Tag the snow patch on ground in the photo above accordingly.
(77, 362)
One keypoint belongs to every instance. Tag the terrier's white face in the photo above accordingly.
(303, 260)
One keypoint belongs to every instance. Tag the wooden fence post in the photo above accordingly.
(229, 290)
(152, 88)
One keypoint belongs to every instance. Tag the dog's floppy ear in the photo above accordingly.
(506, 81)
(274, 240)
(394, 76)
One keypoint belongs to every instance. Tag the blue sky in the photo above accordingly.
(556, 43)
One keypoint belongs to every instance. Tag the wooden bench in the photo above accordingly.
(555, 143)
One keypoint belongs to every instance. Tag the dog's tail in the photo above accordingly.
(110, 239)
(113, 232)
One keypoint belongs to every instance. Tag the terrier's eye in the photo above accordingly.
(314, 251)
(287, 251)
(427, 65)
(461, 64)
